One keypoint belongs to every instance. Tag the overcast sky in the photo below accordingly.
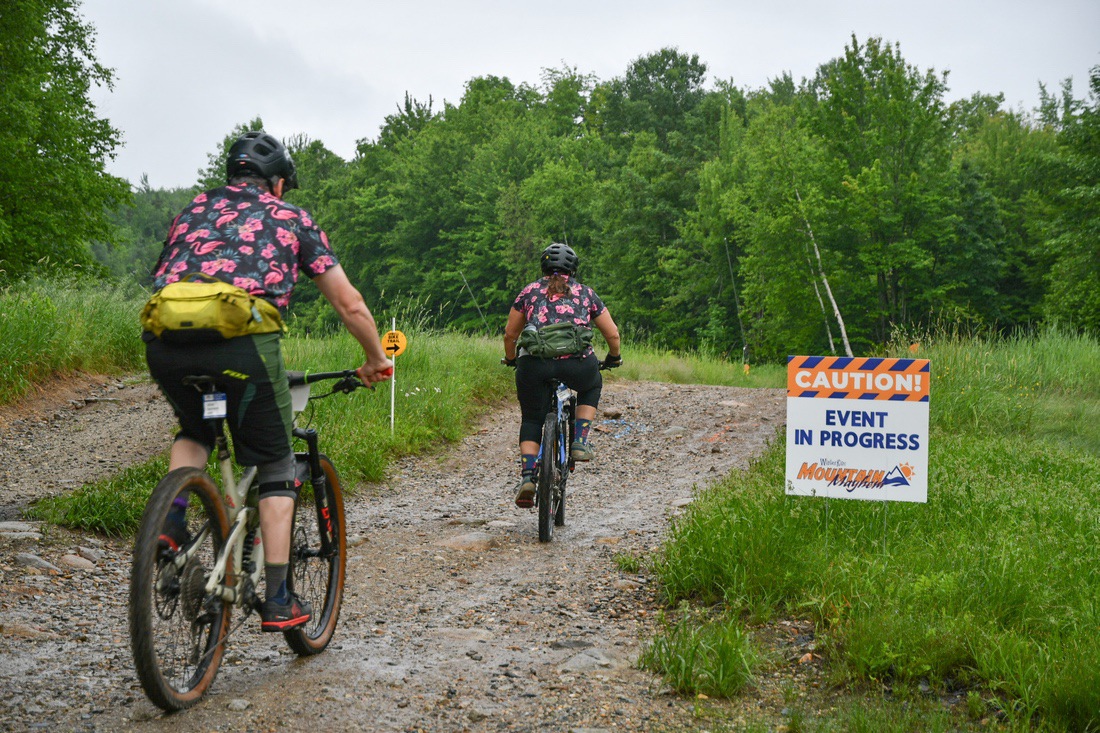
(188, 71)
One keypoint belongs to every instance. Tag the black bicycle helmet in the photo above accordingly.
(261, 154)
(559, 258)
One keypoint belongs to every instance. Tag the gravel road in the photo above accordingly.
(455, 617)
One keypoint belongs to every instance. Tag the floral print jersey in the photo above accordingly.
(581, 306)
(247, 237)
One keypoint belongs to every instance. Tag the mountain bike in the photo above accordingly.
(180, 600)
(554, 461)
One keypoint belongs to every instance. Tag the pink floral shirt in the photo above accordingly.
(244, 236)
(580, 306)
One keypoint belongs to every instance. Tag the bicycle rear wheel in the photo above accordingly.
(318, 560)
(548, 477)
(177, 632)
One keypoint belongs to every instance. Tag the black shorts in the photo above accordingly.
(532, 373)
(250, 371)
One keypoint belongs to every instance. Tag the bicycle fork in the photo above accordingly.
(320, 491)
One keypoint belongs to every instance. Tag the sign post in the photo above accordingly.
(394, 343)
(858, 428)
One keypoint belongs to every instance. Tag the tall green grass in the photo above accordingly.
(52, 326)
(994, 583)
(699, 655)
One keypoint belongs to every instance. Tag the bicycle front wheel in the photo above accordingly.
(177, 631)
(318, 560)
(565, 438)
(548, 477)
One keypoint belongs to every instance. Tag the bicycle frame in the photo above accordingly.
(244, 519)
(564, 403)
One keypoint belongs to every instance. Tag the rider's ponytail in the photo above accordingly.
(559, 285)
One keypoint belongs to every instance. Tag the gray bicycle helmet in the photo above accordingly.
(559, 258)
(261, 154)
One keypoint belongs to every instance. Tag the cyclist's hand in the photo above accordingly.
(372, 371)
(508, 362)
(611, 362)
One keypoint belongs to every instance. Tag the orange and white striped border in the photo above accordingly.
(843, 377)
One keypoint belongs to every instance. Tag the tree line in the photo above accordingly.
(818, 216)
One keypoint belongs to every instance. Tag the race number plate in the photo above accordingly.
(214, 406)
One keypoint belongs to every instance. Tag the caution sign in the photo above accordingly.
(858, 428)
(394, 343)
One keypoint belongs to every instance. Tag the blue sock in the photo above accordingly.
(580, 430)
(527, 464)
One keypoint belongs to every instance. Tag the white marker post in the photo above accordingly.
(394, 343)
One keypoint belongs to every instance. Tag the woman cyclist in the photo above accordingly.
(554, 298)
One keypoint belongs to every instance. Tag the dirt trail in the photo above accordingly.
(455, 616)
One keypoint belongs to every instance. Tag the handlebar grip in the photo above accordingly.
(297, 378)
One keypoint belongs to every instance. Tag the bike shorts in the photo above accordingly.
(532, 374)
(250, 371)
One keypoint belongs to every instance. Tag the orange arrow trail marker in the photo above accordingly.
(394, 343)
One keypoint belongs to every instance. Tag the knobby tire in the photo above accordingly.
(547, 477)
(177, 635)
(566, 436)
(315, 575)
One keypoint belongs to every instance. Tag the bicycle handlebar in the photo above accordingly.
(349, 379)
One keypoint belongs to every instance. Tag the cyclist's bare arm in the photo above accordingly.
(352, 309)
(609, 330)
(512, 330)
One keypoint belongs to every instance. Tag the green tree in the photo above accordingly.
(656, 95)
(142, 226)
(322, 180)
(1011, 160)
(55, 193)
(710, 260)
(886, 122)
(1074, 294)
(799, 289)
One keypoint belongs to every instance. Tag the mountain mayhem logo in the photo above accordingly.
(851, 479)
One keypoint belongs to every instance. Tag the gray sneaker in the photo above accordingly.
(581, 451)
(525, 494)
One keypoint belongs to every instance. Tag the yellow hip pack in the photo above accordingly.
(200, 308)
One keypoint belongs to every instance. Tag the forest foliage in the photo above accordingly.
(818, 216)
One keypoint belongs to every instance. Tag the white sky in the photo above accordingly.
(188, 71)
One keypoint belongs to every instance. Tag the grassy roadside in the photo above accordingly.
(990, 590)
(51, 326)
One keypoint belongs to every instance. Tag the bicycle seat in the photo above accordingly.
(201, 382)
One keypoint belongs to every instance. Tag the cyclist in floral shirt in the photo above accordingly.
(555, 298)
(248, 237)
(245, 234)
